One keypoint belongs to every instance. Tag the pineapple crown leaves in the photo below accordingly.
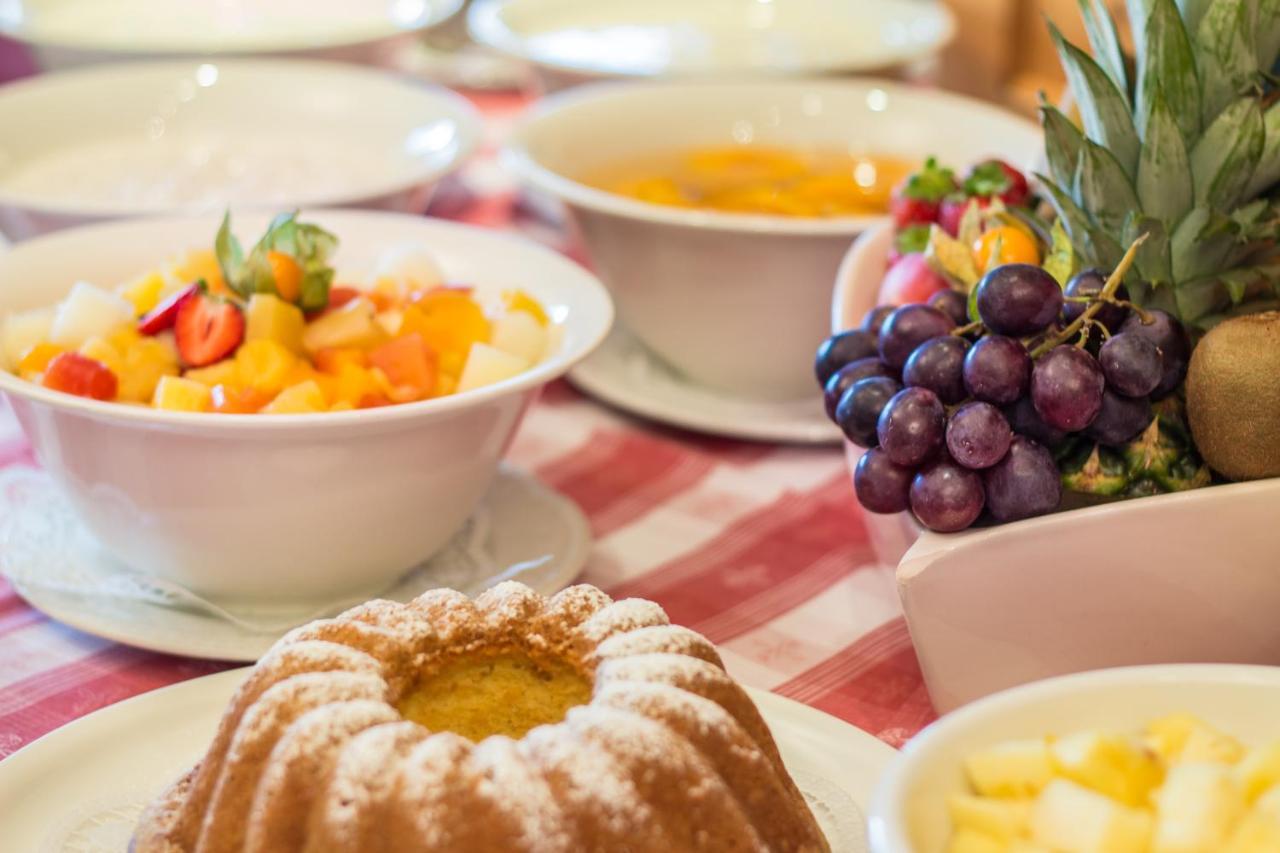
(1185, 150)
(309, 245)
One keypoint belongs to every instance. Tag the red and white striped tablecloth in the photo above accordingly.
(759, 547)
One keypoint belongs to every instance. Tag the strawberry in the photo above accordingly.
(165, 314)
(997, 178)
(77, 374)
(207, 330)
(916, 199)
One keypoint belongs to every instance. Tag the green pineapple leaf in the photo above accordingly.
(1226, 57)
(1268, 35)
(1062, 143)
(1152, 259)
(1194, 10)
(1104, 40)
(1267, 172)
(1223, 161)
(1138, 11)
(1103, 109)
(1164, 186)
(1101, 186)
(1169, 65)
(1094, 246)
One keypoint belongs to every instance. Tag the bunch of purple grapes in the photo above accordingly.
(959, 401)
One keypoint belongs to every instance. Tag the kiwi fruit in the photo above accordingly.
(1233, 397)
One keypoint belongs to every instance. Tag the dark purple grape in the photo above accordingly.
(1120, 419)
(838, 350)
(1089, 283)
(881, 485)
(997, 370)
(1066, 387)
(912, 426)
(1175, 347)
(1025, 420)
(1131, 363)
(843, 378)
(875, 317)
(946, 497)
(953, 303)
(1022, 484)
(978, 435)
(907, 328)
(1018, 299)
(938, 364)
(858, 411)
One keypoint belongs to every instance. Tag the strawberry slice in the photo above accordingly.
(77, 374)
(207, 330)
(165, 314)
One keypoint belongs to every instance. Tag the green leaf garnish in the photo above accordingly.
(309, 245)
(987, 179)
(912, 239)
(931, 183)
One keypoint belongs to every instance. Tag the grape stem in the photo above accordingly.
(1107, 293)
(964, 330)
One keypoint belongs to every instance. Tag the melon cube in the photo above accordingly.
(487, 365)
(21, 331)
(1000, 819)
(267, 317)
(1015, 768)
(298, 399)
(1110, 764)
(518, 333)
(1197, 809)
(181, 395)
(1070, 818)
(352, 325)
(86, 312)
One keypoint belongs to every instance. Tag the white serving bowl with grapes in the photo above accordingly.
(1181, 577)
(301, 507)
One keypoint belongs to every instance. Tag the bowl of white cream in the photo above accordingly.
(192, 136)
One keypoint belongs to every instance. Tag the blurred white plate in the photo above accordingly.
(642, 38)
(190, 136)
(81, 788)
(522, 531)
(169, 27)
(624, 373)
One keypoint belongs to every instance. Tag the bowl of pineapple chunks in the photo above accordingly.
(1152, 759)
(303, 416)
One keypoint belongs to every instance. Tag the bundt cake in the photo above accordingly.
(513, 723)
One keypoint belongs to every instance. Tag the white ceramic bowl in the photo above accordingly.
(1173, 578)
(574, 41)
(297, 507)
(737, 302)
(77, 32)
(188, 136)
(908, 811)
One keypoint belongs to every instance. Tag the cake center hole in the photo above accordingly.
(505, 694)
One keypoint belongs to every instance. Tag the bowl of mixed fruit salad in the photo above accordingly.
(304, 416)
(1130, 760)
(1064, 395)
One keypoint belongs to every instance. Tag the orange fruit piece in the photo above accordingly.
(76, 374)
(331, 359)
(229, 400)
(408, 362)
(287, 275)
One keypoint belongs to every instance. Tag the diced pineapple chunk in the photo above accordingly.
(36, 359)
(390, 320)
(145, 362)
(225, 372)
(1110, 764)
(1259, 832)
(268, 317)
(100, 350)
(1196, 809)
(144, 293)
(297, 399)
(1016, 768)
(966, 840)
(86, 312)
(23, 330)
(1259, 770)
(1182, 737)
(1000, 819)
(487, 365)
(181, 395)
(124, 337)
(266, 365)
(1070, 818)
(518, 333)
(352, 325)
(518, 300)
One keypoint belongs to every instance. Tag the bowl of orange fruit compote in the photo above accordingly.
(304, 414)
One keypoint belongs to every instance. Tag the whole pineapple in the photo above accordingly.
(1184, 147)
